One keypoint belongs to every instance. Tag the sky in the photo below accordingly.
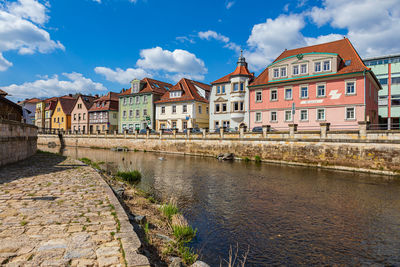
(55, 47)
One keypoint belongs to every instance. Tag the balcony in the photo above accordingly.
(237, 116)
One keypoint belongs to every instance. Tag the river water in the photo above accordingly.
(283, 215)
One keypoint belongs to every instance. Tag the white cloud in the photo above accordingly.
(178, 76)
(372, 26)
(122, 76)
(208, 35)
(53, 86)
(179, 61)
(286, 7)
(183, 39)
(229, 4)
(20, 30)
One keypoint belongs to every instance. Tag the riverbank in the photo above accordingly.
(352, 154)
(57, 211)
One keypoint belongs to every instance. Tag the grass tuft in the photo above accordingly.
(257, 159)
(132, 177)
(169, 209)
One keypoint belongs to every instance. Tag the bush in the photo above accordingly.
(246, 159)
(182, 230)
(257, 159)
(168, 210)
(132, 177)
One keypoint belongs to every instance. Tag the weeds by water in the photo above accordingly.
(234, 260)
(90, 163)
(183, 232)
(246, 159)
(132, 177)
(257, 159)
(169, 209)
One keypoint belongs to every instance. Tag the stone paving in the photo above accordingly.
(55, 211)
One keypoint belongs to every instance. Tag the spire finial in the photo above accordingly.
(241, 52)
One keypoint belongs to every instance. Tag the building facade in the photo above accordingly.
(61, 116)
(103, 115)
(80, 113)
(387, 70)
(29, 105)
(8, 109)
(136, 104)
(185, 105)
(40, 114)
(50, 105)
(229, 100)
(326, 83)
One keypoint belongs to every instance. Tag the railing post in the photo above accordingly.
(147, 133)
(174, 133)
(188, 132)
(161, 133)
(125, 131)
(362, 128)
(221, 132)
(204, 133)
(292, 129)
(266, 129)
(115, 133)
(241, 132)
(136, 133)
(324, 129)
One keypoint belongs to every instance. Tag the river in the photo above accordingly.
(284, 215)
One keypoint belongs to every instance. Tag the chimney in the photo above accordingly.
(96, 96)
(70, 95)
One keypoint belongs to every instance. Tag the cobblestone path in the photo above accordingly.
(55, 211)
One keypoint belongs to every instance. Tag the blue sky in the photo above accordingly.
(55, 47)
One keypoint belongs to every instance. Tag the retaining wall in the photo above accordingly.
(18, 141)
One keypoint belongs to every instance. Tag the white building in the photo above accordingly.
(229, 100)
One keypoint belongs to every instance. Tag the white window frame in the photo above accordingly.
(306, 110)
(260, 93)
(173, 106)
(184, 106)
(130, 113)
(323, 65)
(219, 107)
(276, 116)
(255, 118)
(316, 90)
(317, 119)
(270, 94)
(123, 114)
(291, 94)
(345, 87)
(283, 68)
(276, 71)
(144, 113)
(218, 89)
(300, 87)
(345, 114)
(306, 68)
(130, 100)
(137, 113)
(162, 110)
(291, 115)
(320, 66)
(223, 90)
(298, 70)
(137, 100)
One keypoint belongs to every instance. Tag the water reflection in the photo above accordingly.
(287, 215)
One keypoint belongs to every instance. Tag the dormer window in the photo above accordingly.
(327, 65)
(175, 94)
(303, 68)
(276, 73)
(317, 66)
(296, 70)
(283, 72)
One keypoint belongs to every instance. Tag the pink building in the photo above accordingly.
(325, 83)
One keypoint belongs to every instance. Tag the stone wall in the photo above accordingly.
(371, 151)
(18, 141)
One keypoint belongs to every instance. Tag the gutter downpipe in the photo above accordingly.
(365, 93)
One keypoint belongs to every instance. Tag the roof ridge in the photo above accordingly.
(188, 87)
(358, 55)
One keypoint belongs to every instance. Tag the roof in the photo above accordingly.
(189, 92)
(54, 100)
(87, 100)
(3, 93)
(343, 48)
(29, 100)
(67, 104)
(381, 57)
(150, 86)
(241, 70)
(106, 102)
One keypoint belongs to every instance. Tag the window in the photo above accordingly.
(235, 106)
(137, 126)
(327, 65)
(235, 87)
(162, 125)
(207, 110)
(74, 117)
(288, 94)
(283, 72)
(241, 86)
(223, 89)
(123, 126)
(84, 115)
(350, 88)
(321, 90)
(258, 116)
(79, 106)
(137, 99)
(259, 96)
(174, 109)
(62, 119)
(276, 73)
(137, 113)
(274, 95)
(199, 109)
(174, 125)
(350, 113)
(296, 70)
(226, 124)
(303, 68)
(224, 107)
(184, 125)
(288, 115)
(217, 108)
(131, 100)
(124, 114)
(383, 81)
(130, 113)
(395, 80)
(162, 110)
(274, 116)
(304, 115)
(317, 66)
(216, 124)
(144, 112)
(218, 89)
(184, 108)
(145, 99)
(241, 105)
(320, 114)
(58, 109)
(124, 101)
(175, 94)
(303, 91)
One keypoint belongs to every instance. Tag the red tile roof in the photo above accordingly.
(106, 102)
(30, 100)
(240, 70)
(150, 86)
(189, 92)
(342, 47)
(67, 104)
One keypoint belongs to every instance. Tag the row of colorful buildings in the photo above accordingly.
(325, 83)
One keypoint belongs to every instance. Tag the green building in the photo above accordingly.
(387, 70)
(136, 104)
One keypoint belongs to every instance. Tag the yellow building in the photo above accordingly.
(61, 118)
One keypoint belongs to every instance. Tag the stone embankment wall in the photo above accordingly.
(18, 141)
(360, 150)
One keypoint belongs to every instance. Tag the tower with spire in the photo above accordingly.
(229, 100)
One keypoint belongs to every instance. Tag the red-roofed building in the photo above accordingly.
(103, 114)
(325, 83)
(136, 104)
(229, 101)
(30, 105)
(80, 113)
(184, 106)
